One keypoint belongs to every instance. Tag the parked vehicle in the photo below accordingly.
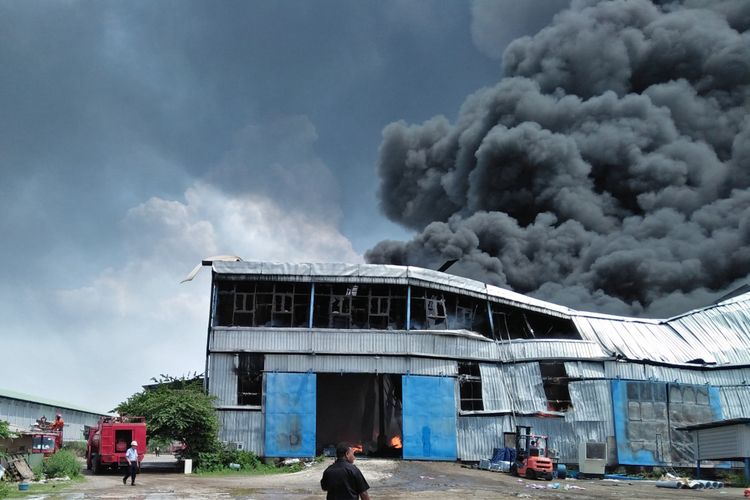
(532, 455)
(109, 440)
(47, 442)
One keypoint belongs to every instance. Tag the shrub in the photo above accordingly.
(77, 447)
(5, 430)
(63, 463)
(5, 489)
(220, 460)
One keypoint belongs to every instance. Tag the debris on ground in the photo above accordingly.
(673, 481)
(19, 470)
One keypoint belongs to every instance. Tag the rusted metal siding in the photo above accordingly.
(242, 426)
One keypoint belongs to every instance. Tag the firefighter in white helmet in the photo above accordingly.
(133, 465)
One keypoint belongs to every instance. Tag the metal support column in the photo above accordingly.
(492, 322)
(312, 306)
(408, 307)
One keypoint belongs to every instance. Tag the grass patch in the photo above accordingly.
(260, 470)
(41, 488)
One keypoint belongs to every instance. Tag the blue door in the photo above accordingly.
(290, 414)
(429, 418)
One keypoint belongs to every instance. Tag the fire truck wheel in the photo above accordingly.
(96, 464)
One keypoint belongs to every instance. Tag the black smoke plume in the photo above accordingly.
(608, 170)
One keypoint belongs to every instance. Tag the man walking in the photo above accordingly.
(343, 480)
(133, 466)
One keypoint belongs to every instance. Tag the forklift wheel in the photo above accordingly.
(530, 474)
(513, 469)
(548, 477)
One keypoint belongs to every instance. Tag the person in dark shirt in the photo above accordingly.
(342, 479)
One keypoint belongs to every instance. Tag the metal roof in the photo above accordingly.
(718, 423)
(715, 335)
(6, 393)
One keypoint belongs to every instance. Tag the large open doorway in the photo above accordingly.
(364, 410)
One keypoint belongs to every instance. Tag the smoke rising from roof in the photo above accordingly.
(609, 169)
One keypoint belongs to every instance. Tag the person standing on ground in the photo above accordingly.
(343, 480)
(156, 450)
(133, 466)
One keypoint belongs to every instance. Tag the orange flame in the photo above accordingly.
(357, 448)
(396, 442)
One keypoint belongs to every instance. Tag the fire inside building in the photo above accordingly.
(420, 364)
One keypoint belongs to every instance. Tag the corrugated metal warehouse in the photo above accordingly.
(420, 364)
(22, 411)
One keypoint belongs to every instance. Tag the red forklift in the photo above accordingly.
(532, 455)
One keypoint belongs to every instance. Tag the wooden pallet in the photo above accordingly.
(19, 469)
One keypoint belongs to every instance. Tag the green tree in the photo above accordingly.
(5, 430)
(176, 410)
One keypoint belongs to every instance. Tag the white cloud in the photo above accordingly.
(135, 321)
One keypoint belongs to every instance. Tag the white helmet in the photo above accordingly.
(134, 443)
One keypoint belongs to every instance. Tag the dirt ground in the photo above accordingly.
(388, 479)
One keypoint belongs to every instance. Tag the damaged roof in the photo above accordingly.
(718, 334)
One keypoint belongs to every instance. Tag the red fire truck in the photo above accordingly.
(110, 439)
(46, 441)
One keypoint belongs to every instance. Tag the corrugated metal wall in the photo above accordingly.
(242, 426)
(592, 402)
(479, 435)
(549, 349)
(434, 343)
(735, 401)
(513, 387)
(222, 381)
(360, 364)
(584, 369)
(24, 414)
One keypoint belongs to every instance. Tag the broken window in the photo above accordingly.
(437, 310)
(249, 303)
(434, 307)
(470, 386)
(512, 323)
(250, 379)
(555, 380)
(359, 306)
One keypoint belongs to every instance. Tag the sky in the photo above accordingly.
(594, 154)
